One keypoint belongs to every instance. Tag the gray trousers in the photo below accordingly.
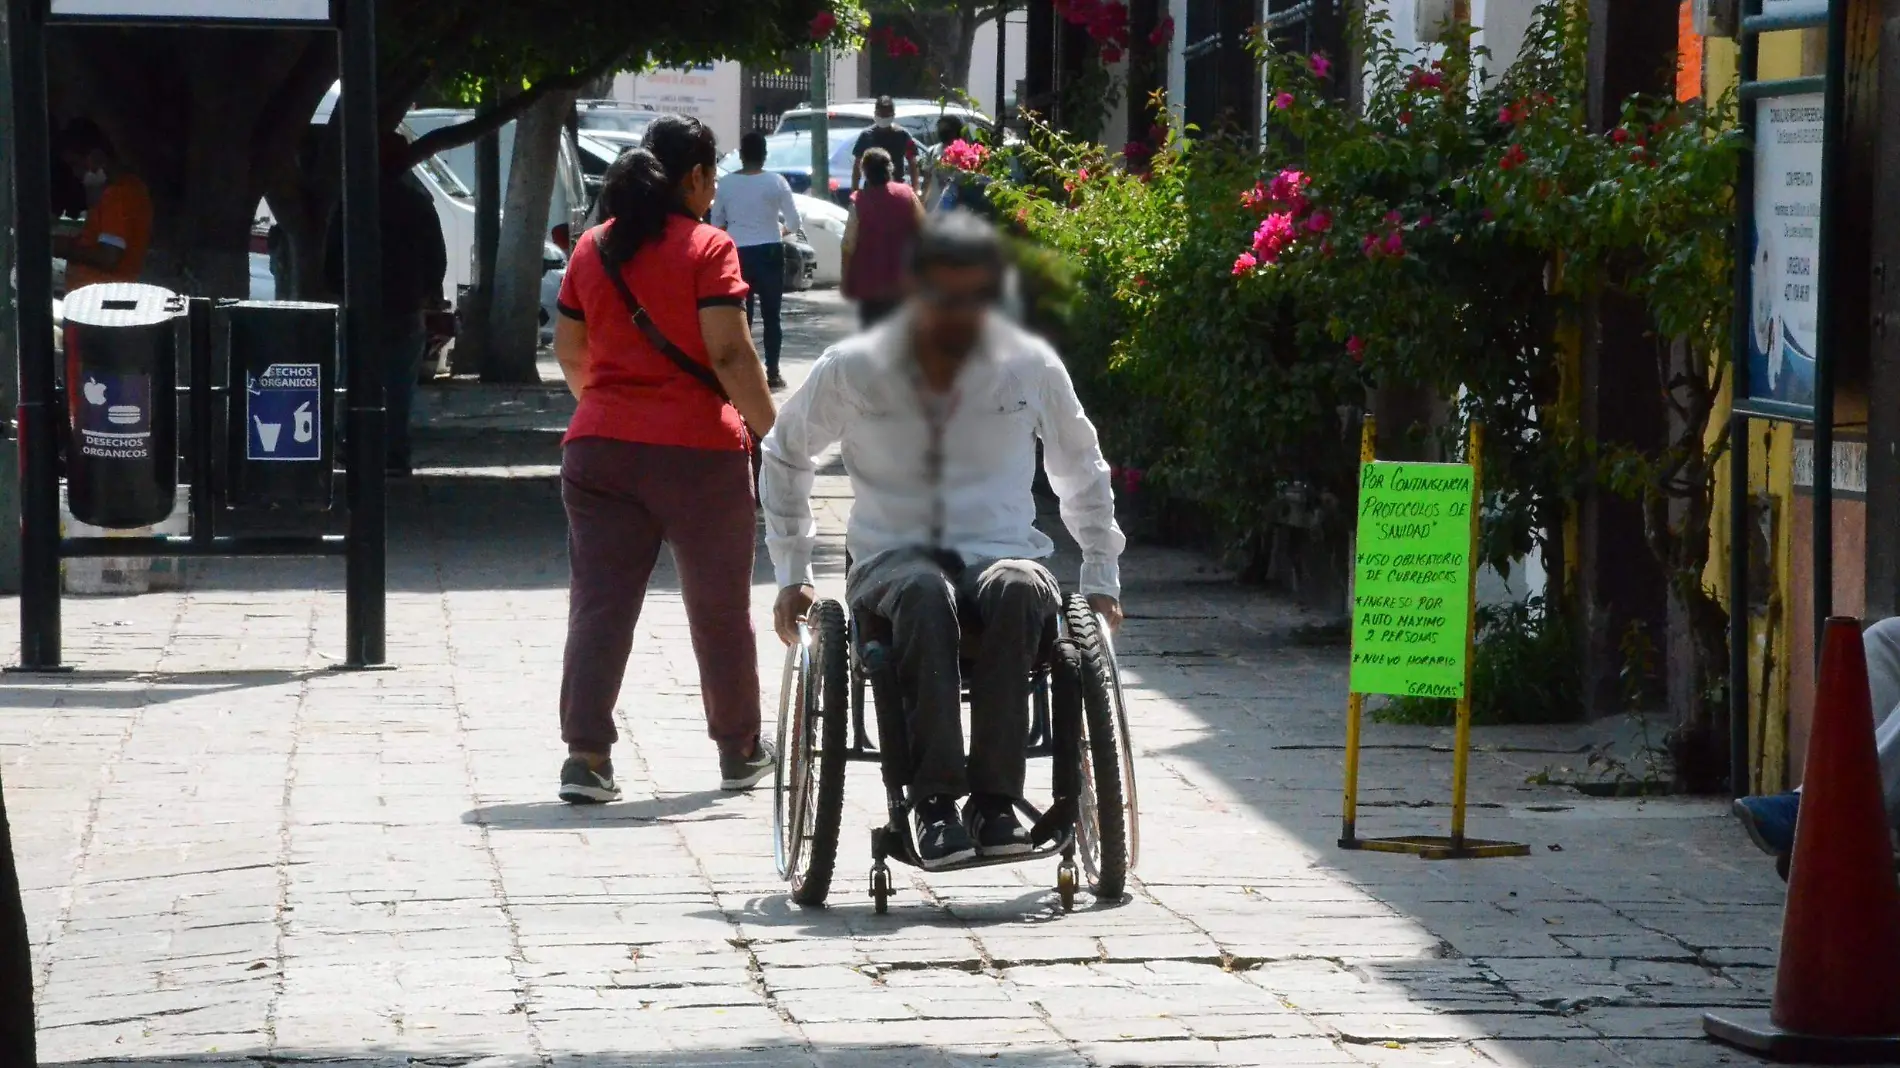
(1011, 601)
(1882, 642)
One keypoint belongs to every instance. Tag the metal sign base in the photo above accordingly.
(1437, 847)
(1752, 1030)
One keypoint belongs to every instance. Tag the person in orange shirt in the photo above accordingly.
(118, 230)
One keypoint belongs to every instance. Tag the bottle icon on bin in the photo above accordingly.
(306, 424)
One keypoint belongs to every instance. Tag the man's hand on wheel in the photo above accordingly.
(1109, 608)
(790, 610)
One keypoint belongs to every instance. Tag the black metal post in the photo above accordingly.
(198, 447)
(1834, 193)
(1002, 64)
(1739, 779)
(364, 570)
(39, 398)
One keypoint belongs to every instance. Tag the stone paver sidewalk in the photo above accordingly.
(236, 854)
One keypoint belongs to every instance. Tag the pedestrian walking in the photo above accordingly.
(756, 207)
(415, 259)
(653, 342)
(897, 143)
(885, 218)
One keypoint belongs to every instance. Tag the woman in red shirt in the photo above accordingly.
(885, 218)
(653, 342)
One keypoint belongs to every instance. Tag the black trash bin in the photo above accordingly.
(121, 403)
(283, 366)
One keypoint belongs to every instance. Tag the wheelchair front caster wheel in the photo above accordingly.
(1065, 886)
(881, 889)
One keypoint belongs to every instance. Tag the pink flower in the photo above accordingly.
(1082, 175)
(965, 156)
(1245, 262)
(1514, 157)
(1163, 32)
(822, 24)
(1356, 348)
(1322, 67)
(1283, 102)
(1319, 223)
(1022, 216)
(1137, 151)
(1287, 186)
(1275, 236)
(1425, 79)
(1395, 243)
(1507, 115)
(1369, 244)
(1424, 221)
(1255, 197)
(1393, 218)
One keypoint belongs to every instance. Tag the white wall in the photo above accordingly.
(1501, 25)
(709, 93)
(983, 63)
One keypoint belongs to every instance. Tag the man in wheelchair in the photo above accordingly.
(939, 410)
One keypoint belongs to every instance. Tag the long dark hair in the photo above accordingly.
(642, 188)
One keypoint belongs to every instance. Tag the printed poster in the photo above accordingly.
(1785, 263)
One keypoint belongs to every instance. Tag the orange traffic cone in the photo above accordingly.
(1837, 988)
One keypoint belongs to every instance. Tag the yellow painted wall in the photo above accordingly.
(1770, 474)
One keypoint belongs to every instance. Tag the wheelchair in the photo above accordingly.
(1077, 720)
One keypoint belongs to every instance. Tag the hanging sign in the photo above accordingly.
(1784, 266)
(1411, 610)
(196, 10)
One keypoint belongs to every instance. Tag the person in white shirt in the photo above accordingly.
(757, 209)
(939, 410)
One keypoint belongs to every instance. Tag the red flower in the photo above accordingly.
(1424, 221)
(1322, 67)
(1245, 262)
(1425, 79)
(1356, 349)
(1514, 157)
(1137, 150)
(1319, 222)
(1254, 198)
(822, 24)
(1506, 115)
(1160, 134)
(1405, 117)
(1141, 280)
(1393, 218)
(1163, 32)
(1111, 54)
(1283, 102)
(1620, 136)
(1395, 244)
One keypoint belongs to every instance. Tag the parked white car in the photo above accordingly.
(847, 117)
(822, 223)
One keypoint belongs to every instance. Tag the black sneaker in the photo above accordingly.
(584, 784)
(743, 773)
(992, 824)
(940, 838)
(775, 381)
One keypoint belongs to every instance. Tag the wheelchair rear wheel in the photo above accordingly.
(1101, 824)
(812, 727)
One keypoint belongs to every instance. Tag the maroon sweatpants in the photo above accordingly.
(623, 500)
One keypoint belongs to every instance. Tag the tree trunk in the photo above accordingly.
(514, 335)
(472, 345)
(16, 959)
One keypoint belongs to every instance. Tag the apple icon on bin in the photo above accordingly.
(95, 391)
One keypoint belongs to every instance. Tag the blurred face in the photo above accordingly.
(698, 189)
(883, 115)
(952, 306)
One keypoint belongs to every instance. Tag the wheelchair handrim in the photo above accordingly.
(1131, 802)
(788, 798)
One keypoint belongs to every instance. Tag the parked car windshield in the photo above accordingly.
(626, 122)
(461, 160)
(793, 153)
(802, 123)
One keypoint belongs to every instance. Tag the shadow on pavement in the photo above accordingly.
(109, 689)
(559, 815)
(961, 1052)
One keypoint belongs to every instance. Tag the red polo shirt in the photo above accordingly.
(631, 391)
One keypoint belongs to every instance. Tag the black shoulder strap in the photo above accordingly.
(699, 371)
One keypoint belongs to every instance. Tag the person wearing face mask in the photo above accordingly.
(118, 230)
(896, 142)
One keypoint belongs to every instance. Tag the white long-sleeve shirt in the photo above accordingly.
(1013, 390)
(751, 206)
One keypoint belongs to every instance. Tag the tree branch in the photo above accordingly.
(490, 119)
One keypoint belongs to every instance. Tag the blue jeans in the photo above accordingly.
(764, 269)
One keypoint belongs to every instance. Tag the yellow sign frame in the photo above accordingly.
(1429, 847)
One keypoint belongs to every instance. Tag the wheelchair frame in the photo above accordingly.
(1077, 720)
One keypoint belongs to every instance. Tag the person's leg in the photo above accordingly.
(771, 293)
(1014, 601)
(910, 591)
(404, 340)
(703, 498)
(749, 270)
(613, 542)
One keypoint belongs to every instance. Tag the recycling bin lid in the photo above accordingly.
(122, 304)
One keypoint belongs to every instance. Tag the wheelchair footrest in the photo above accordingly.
(1053, 824)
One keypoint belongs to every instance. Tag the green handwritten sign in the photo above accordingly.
(1411, 612)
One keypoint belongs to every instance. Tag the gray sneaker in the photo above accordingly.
(582, 784)
(743, 773)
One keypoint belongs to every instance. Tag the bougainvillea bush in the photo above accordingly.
(1240, 300)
